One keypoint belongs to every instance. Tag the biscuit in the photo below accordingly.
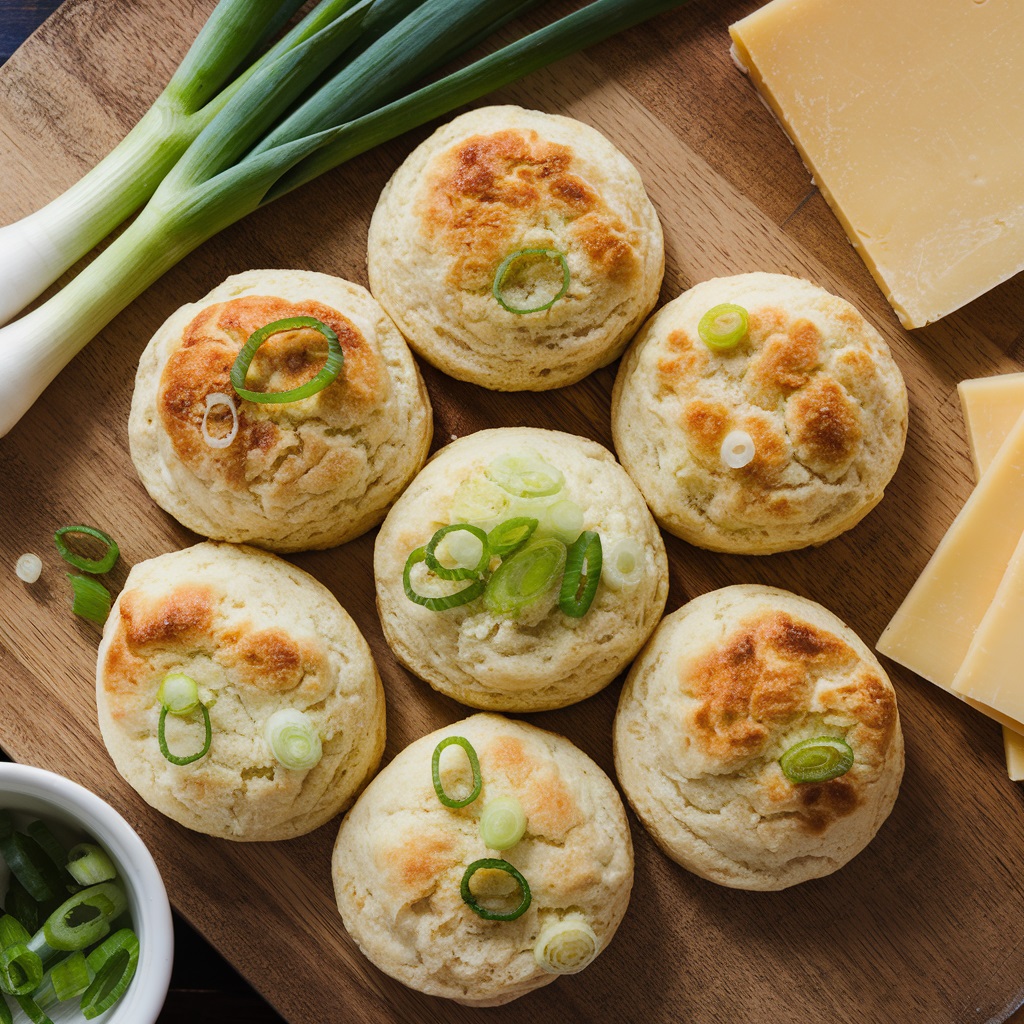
(493, 182)
(540, 658)
(297, 475)
(257, 635)
(726, 685)
(812, 385)
(401, 856)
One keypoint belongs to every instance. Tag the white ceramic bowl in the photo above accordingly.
(52, 798)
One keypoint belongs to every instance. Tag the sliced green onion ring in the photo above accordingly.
(494, 864)
(178, 693)
(32, 867)
(479, 501)
(502, 823)
(817, 760)
(525, 578)
(96, 566)
(12, 931)
(437, 604)
(33, 1010)
(565, 947)
(6, 1017)
(525, 475)
(89, 864)
(21, 906)
(723, 326)
(330, 371)
(48, 843)
(474, 765)
(624, 566)
(293, 739)
(21, 970)
(84, 918)
(563, 519)
(91, 599)
(582, 575)
(71, 977)
(509, 536)
(114, 962)
(459, 572)
(505, 267)
(162, 737)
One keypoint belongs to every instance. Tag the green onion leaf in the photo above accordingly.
(565, 947)
(329, 373)
(459, 572)
(95, 566)
(817, 760)
(502, 823)
(525, 475)
(293, 739)
(178, 693)
(582, 575)
(84, 918)
(91, 599)
(21, 906)
(71, 977)
(525, 267)
(525, 578)
(162, 738)
(472, 901)
(31, 867)
(21, 970)
(35, 1012)
(48, 842)
(723, 326)
(509, 536)
(437, 604)
(114, 962)
(474, 764)
(88, 864)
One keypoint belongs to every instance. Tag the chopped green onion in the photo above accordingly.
(114, 962)
(35, 1012)
(738, 449)
(509, 536)
(48, 842)
(95, 566)
(437, 604)
(525, 578)
(623, 567)
(162, 737)
(459, 572)
(817, 760)
(582, 575)
(12, 931)
(21, 970)
(293, 739)
(85, 917)
(330, 371)
(28, 568)
(502, 823)
(479, 501)
(565, 947)
(217, 400)
(31, 866)
(564, 520)
(474, 765)
(6, 1017)
(723, 326)
(91, 599)
(178, 693)
(21, 906)
(525, 475)
(493, 864)
(88, 864)
(520, 259)
(71, 977)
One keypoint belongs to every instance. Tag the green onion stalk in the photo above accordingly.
(243, 159)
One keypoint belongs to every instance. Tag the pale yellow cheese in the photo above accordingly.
(991, 406)
(908, 115)
(933, 628)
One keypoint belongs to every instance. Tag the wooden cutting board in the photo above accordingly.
(921, 927)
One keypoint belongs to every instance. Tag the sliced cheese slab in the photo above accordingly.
(932, 630)
(991, 406)
(907, 114)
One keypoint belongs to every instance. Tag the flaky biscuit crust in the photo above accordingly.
(725, 686)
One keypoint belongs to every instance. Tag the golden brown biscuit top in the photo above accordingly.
(266, 444)
(784, 366)
(754, 690)
(487, 192)
(155, 635)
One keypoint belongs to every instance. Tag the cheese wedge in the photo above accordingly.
(991, 406)
(906, 113)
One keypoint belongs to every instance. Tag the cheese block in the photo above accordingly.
(906, 112)
(991, 406)
(932, 630)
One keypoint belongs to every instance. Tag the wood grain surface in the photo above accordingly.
(921, 927)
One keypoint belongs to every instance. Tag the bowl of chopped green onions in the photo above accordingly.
(86, 930)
